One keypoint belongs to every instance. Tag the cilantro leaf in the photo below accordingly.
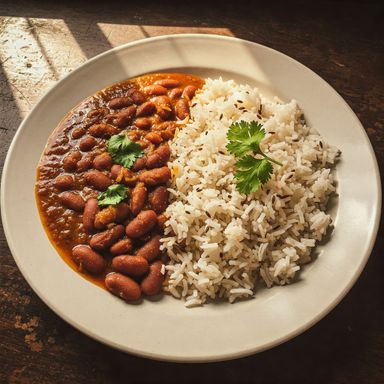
(252, 173)
(244, 141)
(245, 137)
(124, 151)
(115, 194)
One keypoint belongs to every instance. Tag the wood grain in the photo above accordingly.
(341, 41)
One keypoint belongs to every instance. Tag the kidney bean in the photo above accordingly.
(151, 249)
(124, 117)
(172, 125)
(122, 212)
(155, 176)
(87, 143)
(143, 123)
(175, 93)
(90, 211)
(159, 199)
(70, 161)
(103, 162)
(168, 83)
(103, 240)
(189, 92)
(64, 182)
(77, 133)
(137, 96)
(84, 164)
(98, 180)
(155, 90)
(138, 198)
(88, 259)
(104, 131)
(121, 247)
(104, 217)
(120, 102)
(141, 224)
(72, 200)
(153, 137)
(134, 135)
(115, 171)
(161, 220)
(163, 107)
(97, 113)
(139, 164)
(167, 134)
(182, 109)
(130, 265)
(159, 157)
(151, 284)
(122, 286)
(146, 109)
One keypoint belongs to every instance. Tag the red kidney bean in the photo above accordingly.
(103, 162)
(104, 217)
(167, 134)
(189, 92)
(98, 180)
(137, 96)
(90, 211)
(151, 249)
(155, 90)
(168, 83)
(122, 212)
(130, 265)
(124, 117)
(120, 102)
(72, 200)
(159, 157)
(104, 131)
(146, 109)
(143, 123)
(175, 93)
(88, 259)
(182, 109)
(163, 107)
(151, 284)
(159, 199)
(154, 138)
(103, 240)
(121, 247)
(171, 125)
(141, 224)
(70, 161)
(77, 133)
(134, 135)
(161, 220)
(97, 113)
(87, 143)
(122, 286)
(115, 171)
(64, 182)
(139, 164)
(138, 198)
(155, 176)
(84, 164)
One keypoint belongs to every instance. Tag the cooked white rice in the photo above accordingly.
(220, 242)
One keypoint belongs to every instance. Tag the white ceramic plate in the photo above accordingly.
(165, 329)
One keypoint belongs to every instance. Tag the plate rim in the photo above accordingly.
(159, 356)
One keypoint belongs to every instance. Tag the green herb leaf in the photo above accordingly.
(252, 173)
(124, 151)
(244, 140)
(245, 137)
(115, 194)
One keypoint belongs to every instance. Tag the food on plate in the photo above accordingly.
(200, 188)
(102, 181)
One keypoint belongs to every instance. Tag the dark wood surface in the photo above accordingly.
(341, 41)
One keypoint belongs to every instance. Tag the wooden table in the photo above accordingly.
(341, 41)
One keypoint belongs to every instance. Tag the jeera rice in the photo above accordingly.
(221, 243)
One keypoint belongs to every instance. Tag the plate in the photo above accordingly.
(165, 329)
